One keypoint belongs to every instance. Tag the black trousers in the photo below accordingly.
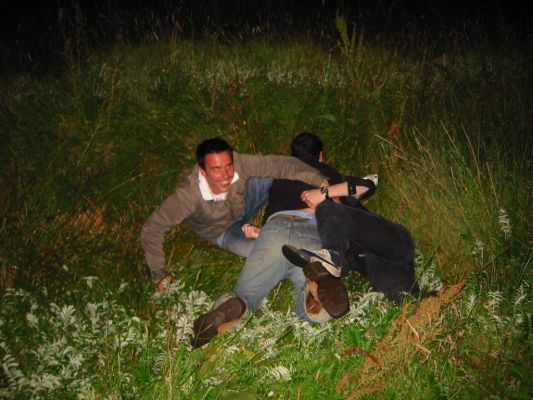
(371, 245)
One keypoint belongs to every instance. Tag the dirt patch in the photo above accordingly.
(90, 222)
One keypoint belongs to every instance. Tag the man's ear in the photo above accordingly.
(321, 156)
(202, 171)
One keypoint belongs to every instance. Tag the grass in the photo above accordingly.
(88, 153)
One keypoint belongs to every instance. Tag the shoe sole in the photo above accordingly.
(294, 256)
(216, 321)
(302, 257)
(331, 291)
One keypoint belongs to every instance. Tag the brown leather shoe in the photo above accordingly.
(312, 306)
(217, 320)
(331, 292)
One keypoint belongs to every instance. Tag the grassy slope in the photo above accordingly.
(89, 154)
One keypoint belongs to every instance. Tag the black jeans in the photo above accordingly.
(370, 244)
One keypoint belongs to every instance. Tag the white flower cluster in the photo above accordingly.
(363, 308)
(177, 310)
(65, 343)
(224, 74)
(426, 273)
(498, 315)
(479, 249)
(505, 223)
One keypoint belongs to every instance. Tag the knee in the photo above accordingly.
(248, 296)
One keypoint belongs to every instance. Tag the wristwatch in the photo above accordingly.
(325, 192)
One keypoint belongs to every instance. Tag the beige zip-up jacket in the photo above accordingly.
(209, 219)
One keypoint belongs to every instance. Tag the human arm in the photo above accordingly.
(277, 167)
(174, 209)
(354, 186)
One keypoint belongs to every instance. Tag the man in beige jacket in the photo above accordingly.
(214, 197)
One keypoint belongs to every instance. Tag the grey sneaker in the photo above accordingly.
(374, 178)
(329, 259)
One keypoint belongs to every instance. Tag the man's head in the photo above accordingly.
(307, 147)
(215, 160)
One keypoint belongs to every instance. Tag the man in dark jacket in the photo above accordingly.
(353, 238)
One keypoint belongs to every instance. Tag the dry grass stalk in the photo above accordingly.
(406, 337)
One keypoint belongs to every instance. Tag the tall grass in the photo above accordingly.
(89, 153)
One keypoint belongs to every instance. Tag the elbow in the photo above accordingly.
(144, 237)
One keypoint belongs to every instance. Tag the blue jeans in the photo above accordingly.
(266, 266)
(233, 239)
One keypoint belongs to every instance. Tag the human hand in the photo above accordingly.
(312, 197)
(164, 283)
(251, 231)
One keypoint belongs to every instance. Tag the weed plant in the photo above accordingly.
(88, 153)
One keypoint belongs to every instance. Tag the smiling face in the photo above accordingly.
(218, 171)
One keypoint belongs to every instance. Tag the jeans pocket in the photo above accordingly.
(307, 235)
(265, 244)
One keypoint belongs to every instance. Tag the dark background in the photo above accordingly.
(35, 35)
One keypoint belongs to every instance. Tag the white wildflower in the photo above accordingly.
(45, 381)
(89, 280)
(479, 249)
(360, 310)
(32, 320)
(495, 299)
(492, 306)
(159, 363)
(279, 373)
(518, 317)
(76, 360)
(92, 310)
(427, 276)
(10, 367)
(233, 349)
(429, 280)
(183, 329)
(471, 303)
(66, 314)
(505, 223)
(123, 285)
(213, 381)
(521, 295)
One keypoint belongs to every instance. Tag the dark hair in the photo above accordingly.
(306, 146)
(208, 146)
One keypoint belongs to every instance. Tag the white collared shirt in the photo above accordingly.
(207, 194)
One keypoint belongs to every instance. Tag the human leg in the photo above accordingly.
(266, 266)
(391, 278)
(330, 292)
(226, 312)
(264, 269)
(376, 247)
(233, 239)
(342, 227)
